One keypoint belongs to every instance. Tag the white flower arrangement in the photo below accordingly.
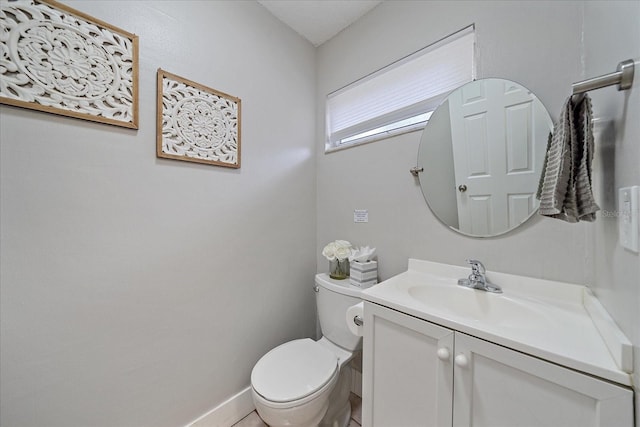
(339, 249)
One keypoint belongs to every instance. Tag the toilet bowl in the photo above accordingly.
(306, 383)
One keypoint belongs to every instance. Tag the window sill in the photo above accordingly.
(373, 138)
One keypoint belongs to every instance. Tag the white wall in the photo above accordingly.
(617, 161)
(139, 291)
(536, 44)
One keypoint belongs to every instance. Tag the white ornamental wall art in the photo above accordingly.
(62, 61)
(196, 123)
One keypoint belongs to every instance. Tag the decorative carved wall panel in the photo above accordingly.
(196, 123)
(59, 60)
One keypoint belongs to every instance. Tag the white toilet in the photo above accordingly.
(303, 382)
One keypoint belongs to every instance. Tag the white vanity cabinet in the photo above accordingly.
(407, 370)
(417, 373)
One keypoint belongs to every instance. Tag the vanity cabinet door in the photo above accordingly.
(407, 370)
(495, 386)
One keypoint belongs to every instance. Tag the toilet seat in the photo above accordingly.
(294, 373)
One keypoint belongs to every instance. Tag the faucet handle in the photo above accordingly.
(476, 266)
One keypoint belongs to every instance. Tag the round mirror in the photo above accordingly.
(482, 153)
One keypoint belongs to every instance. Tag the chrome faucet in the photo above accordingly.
(477, 279)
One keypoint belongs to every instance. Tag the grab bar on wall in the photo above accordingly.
(623, 77)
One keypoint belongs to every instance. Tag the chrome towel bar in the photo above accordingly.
(623, 77)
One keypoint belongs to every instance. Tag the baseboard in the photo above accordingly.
(227, 413)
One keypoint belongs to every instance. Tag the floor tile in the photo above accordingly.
(251, 420)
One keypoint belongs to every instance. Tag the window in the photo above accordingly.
(400, 97)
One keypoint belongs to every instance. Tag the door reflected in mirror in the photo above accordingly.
(482, 152)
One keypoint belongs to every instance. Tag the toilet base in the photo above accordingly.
(339, 411)
(342, 418)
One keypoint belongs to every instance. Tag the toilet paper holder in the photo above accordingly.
(354, 318)
(358, 320)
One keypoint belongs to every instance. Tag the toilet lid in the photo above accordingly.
(293, 370)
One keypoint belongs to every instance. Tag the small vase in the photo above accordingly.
(339, 269)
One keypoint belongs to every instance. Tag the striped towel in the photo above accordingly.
(565, 190)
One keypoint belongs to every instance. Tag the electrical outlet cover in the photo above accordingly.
(628, 217)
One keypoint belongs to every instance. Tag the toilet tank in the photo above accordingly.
(333, 298)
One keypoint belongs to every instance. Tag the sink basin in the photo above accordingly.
(475, 305)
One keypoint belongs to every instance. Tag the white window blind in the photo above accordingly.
(401, 91)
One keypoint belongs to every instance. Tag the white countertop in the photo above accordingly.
(559, 322)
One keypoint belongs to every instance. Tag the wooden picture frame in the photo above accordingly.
(62, 61)
(196, 123)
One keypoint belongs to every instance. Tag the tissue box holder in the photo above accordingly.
(364, 277)
(364, 266)
(364, 274)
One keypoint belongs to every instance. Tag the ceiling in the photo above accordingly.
(319, 20)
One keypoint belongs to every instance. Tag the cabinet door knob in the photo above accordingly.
(462, 361)
(443, 353)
